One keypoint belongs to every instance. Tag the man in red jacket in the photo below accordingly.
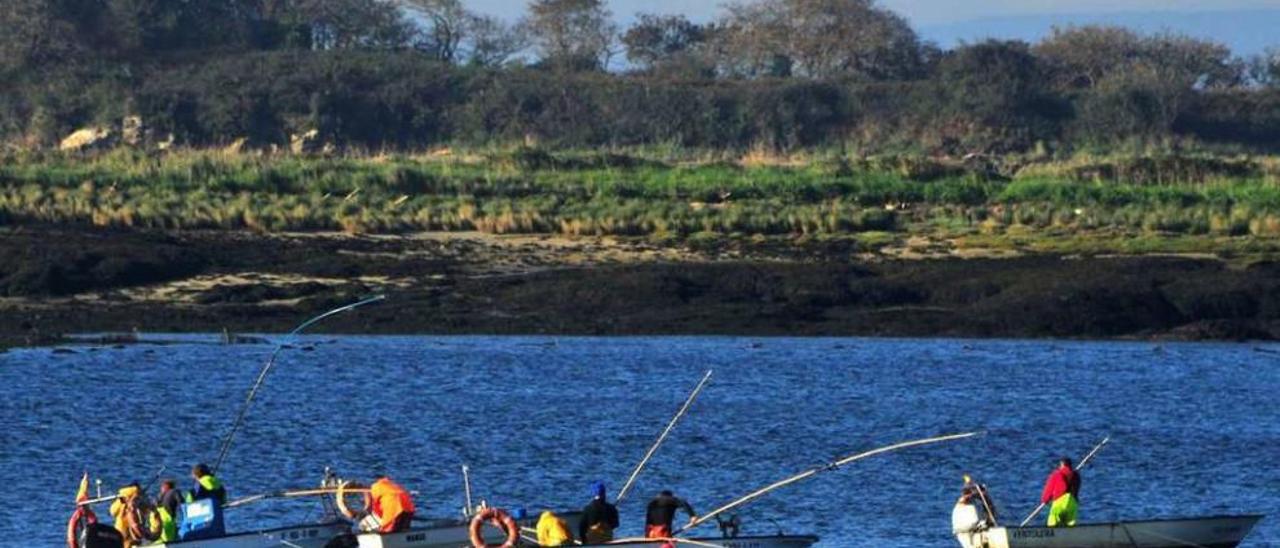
(1062, 492)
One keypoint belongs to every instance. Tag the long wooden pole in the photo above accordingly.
(1082, 464)
(266, 368)
(292, 494)
(815, 471)
(662, 437)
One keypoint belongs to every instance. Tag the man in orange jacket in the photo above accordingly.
(391, 504)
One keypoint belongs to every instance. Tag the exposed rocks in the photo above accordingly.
(132, 132)
(307, 142)
(237, 146)
(453, 284)
(90, 138)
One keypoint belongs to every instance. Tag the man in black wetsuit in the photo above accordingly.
(661, 512)
(599, 518)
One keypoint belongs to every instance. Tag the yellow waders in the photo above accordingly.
(1063, 511)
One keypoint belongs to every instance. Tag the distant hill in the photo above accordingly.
(1246, 31)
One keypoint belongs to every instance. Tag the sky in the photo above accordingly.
(921, 12)
(1247, 26)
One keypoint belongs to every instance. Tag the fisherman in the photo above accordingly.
(168, 508)
(125, 514)
(552, 531)
(391, 504)
(202, 515)
(1062, 493)
(977, 492)
(599, 517)
(207, 486)
(661, 512)
(974, 510)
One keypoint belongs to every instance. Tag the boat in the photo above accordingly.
(315, 535)
(775, 541)
(1210, 532)
(448, 533)
(438, 538)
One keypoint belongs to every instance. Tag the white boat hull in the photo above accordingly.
(451, 534)
(1209, 532)
(786, 541)
(302, 536)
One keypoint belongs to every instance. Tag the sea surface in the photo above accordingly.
(1193, 427)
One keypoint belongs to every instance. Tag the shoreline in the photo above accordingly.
(70, 280)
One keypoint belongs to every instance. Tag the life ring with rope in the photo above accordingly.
(367, 521)
(80, 519)
(498, 518)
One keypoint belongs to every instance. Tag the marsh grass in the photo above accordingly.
(664, 196)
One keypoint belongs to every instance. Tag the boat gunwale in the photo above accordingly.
(1255, 517)
(257, 532)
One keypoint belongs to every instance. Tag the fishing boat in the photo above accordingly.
(447, 533)
(452, 537)
(775, 541)
(315, 535)
(1211, 532)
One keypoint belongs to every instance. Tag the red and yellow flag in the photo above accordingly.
(83, 494)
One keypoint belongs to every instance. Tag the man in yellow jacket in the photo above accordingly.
(552, 531)
(125, 515)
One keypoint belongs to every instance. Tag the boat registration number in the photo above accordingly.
(1033, 533)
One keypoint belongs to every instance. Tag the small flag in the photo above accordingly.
(83, 494)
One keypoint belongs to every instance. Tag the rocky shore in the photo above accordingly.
(58, 280)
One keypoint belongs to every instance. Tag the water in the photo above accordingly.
(1194, 426)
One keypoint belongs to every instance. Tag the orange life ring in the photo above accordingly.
(498, 518)
(74, 525)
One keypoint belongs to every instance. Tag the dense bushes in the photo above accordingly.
(388, 100)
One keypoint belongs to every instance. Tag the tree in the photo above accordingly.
(351, 24)
(1132, 85)
(493, 43)
(1264, 68)
(658, 40)
(993, 99)
(448, 25)
(819, 39)
(577, 34)
(1082, 57)
(42, 33)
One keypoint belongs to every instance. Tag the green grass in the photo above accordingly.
(599, 193)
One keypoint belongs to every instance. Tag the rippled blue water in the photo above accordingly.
(1193, 425)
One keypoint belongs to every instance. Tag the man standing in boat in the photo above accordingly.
(1061, 493)
(203, 520)
(599, 517)
(662, 511)
(391, 504)
(207, 486)
(169, 509)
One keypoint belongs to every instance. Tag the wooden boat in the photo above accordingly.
(1210, 532)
